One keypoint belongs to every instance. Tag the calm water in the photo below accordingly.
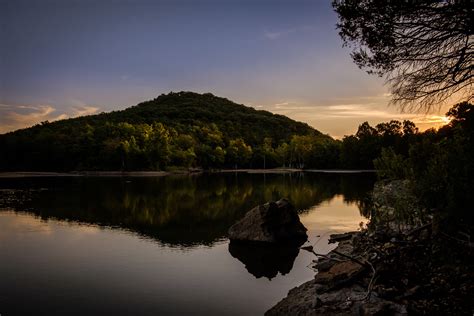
(151, 246)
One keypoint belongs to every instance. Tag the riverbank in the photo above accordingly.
(87, 173)
(389, 268)
(371, 274)
(20, 174)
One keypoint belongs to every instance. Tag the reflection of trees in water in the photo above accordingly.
(179, 210)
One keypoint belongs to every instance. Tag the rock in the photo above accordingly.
(380, 307)
(305, 300)
(301, 300)
(386, 292)
(273, 222)
(340, 288)
(344, 247)
(324, 264)
(341, 237)
(340, 273)
(412, 291)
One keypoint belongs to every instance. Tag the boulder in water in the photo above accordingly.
(273, 222)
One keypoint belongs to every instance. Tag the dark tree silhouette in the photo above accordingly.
(424, 48)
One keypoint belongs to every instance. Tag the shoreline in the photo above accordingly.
(341, 285)
(34, 174)
(385, 272)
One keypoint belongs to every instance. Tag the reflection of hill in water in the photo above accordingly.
(177, 210)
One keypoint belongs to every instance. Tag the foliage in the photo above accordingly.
(395, 206)
(440, 166)
(189, 130)
(390, 164)
(181, 130)
(424, 47)
(360, 150)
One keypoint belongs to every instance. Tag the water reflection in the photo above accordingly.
(176, 210)
(265, 260)
(59, 259)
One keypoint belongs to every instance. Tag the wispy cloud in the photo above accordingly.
(432, 120)
(282, 104)
(84, 110)
(274, 35)
(342, 116)
(13, 117)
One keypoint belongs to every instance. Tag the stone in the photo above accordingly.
(380, 307)
(305, 300)
(344, 247)
(324, 265)
(273, 222)
(341, 237)
(339, 273)
(301, 300)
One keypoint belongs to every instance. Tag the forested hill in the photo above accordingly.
(184, 109)
(182, 129)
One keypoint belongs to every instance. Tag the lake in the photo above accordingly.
(157, 245)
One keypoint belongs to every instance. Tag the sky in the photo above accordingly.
(66, 58)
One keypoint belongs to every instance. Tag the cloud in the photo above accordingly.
(282, 104)
(342, 116)
(432, 120)
(274, 35)
(84, 110)
(13, 117)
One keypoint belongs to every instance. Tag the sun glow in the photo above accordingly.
(431, 121)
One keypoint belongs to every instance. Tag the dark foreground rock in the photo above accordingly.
(338, 288)
(351, 300)
(273, 222)
(405, 262)
(377, 274)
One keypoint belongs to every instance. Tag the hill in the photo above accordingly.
(182, 129)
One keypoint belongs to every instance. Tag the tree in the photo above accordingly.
(462, 114)
(424, 48)
(409, 128)
(158, 147)
(282, 154)
(267, 150)
(238, 152)
(365, 130)
(301, 147)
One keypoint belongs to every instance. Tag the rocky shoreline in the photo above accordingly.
(389, 268)
(340, 287)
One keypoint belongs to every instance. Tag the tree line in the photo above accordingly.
(140, 139)
(156, 146)
(439, 165)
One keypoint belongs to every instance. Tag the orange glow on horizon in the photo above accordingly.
(432, 121)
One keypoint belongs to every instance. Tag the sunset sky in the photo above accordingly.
(65, 58)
